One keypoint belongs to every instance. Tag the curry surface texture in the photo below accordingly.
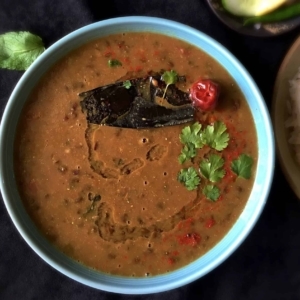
(109, 197)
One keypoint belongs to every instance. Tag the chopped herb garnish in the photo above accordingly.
(18, 50)
(192, 135)
(192, 139)
(211, 192)
(242, 166)
(216, 136)
(187, 152)
(114, 63)
(189, 177)
(169, 77)
(127, 84)
(211, 168)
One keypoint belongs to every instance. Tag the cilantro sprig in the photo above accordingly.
(211, 168)
(18, 50)
(216, 136)
(169, 77)
(195, 137)
(242, 166)
(192, 135)
(187, 152)
(127, 84)
(114, 63)
(211, 192)
(192, 139)
(189, 177)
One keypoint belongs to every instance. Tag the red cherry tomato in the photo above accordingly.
(204, 94)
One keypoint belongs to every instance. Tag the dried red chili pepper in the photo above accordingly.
(204, 94)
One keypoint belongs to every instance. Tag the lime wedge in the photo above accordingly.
(250, 8)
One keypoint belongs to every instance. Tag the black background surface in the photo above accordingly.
(265, 266)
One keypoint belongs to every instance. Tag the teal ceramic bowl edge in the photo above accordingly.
(225, 247)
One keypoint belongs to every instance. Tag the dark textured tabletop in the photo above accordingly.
(265, 266)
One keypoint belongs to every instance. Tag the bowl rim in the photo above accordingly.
(119, 284)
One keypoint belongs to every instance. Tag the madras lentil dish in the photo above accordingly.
(135, 201)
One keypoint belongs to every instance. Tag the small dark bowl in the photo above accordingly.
(260, 30)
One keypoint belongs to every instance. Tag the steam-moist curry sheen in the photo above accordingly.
(109, 197)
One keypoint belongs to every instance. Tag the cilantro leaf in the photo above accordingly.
(127, 84)
(114, 63)
(211, 192)
(192, 135)
(211, 168)
(216, 136)
(187, 153)
(192, 138)
(242, 166)
(169, 77)
(189, 177)
(19, 49)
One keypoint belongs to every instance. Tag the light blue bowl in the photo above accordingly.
(225, 247)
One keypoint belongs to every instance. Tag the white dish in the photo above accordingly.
(287, 71)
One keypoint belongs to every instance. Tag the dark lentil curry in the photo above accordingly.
(111, 197)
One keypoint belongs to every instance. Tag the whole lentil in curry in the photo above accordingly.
(109, 197)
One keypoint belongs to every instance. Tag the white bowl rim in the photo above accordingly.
(179, 277)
